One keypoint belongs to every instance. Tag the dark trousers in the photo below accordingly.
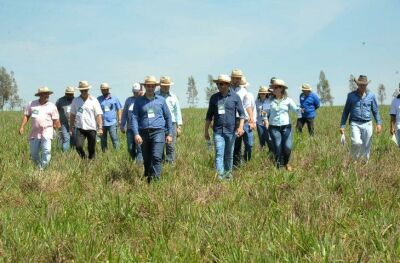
(152, 150)
(310, 125)
(169, 154)
(282, 138)
(80, 139)
(237, 152)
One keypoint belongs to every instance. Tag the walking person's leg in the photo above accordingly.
(261, 135)
(114, 136)
(146, 150)
(45, 146)
(310, 126)
(65, 138)
(130, 143)
(170, 148)
(248, 142)
(34, 146)
(80, 139)
(103, 138)
(229, 140)
(158, 142)
(300, 124)
(356, 142)
(276, 137)
(286, 145)
(91, 137)
(367, 131)
(219, 144)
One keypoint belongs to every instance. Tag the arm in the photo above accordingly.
(317, 102)
(99, 121)
(124, 115)
(119, 114)
(345, 114)
(23, 123)
(240, 110)
(209, 116)
(392, 124)
(206, 128)
(375, 112)
(168, 121)
(71, 123)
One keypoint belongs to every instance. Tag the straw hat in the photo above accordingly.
(136, 87)
(149, 80)
(42, 90)
(69, 90)
(236, 73)
(84, 85)
(362, 79)
(277, 82)
(306, 87)
(263, 90)
(222, 78)
(104, 86)
(165, 81)
(244, 83)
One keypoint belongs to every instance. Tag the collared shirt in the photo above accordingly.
(42, 119)
(173, 106)
(360, 108)
(263, 108)
(127, 112)
(151, 114)
(395, 111)
(223, 111)
(309, 103)
(64, 108)
(242, 93)
(110, 105)
(85, 112)
(279, 111)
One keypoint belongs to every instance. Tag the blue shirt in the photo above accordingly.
(64, 108)
(279, 111)
(127, 112)
(151, 114)
(263, 108)
(309, 103)
(224, 122)
(360, 109)
(110, 107)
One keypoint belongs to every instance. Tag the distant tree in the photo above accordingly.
(352, 84)
(211, 88)
(381, 93)
(8, 90)
(192, 93)
(324, 90)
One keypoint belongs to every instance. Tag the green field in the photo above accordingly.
(327, 210)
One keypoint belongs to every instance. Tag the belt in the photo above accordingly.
(358, 120)
(151, 129)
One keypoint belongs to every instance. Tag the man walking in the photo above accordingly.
(64, 108)
(309, 103)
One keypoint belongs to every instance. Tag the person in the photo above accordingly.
(309, 103)
(86, 116)
(135, 151)
(236, 77)
(64, 108)
(280, 128)
(152, 128)
(248, 127)
(361, 105)
(112, 111)
(45, 117)
(223, 108)
(176, 114)
(395, 117)
(263, 107)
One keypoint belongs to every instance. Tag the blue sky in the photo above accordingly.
(58, 43)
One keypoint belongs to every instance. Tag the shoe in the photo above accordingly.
(288, 168)
(228, 176)
(221, 177)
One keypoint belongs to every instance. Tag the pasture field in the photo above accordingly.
(328, 209)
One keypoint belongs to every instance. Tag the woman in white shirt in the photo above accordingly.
(395, 118)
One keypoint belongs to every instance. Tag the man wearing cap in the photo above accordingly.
(64, 108)
(361, 105)
(134, 149)
(223, 108)
(248, 127)
(175, 109)
(86, 117)
(44, 117)
(152, 128)
(309, 103)
(112, 111)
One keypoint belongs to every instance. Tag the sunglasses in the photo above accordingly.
(83, 91)
(222, 84)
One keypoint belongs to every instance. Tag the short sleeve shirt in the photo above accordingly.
(85, 112)
(42, 119)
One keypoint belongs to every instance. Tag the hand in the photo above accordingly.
(168, 139)
(378, 129)
(302, 110)
(178, 131)
(21, 130)
(207, 135)
(239, 132)
(70, 133)
(122, 129)
(392, 131)
(341, 130)
(138, 139)
(252, 125)
(266, 124)
(100, 131)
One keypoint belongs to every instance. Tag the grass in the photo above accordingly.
(327, 210)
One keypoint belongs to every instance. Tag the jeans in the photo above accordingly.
(80, 138)
(35, 145)
(398, 137)
(310, 125)
(224, 152)
(248, 141)
(135, 151)
(264, 137)
(282, 138)
(361, 139)
(66, 140)
(112, 130)
(169, 155)
(152, 149)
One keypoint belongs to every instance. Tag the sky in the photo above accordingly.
(59, 43)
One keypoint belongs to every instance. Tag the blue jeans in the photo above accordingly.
(264, 137)
(282, 138)
(135, 151)
(66, 140)
(169, 155)
(152, 149)
(248, 141)
(398, 137)
(224, 145)
(35, 145)
(112, 130)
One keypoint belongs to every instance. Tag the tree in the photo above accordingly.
(381, 93)
(211, 88)
(324, 90)
(192, 92)
(352, 84)
(8, 90)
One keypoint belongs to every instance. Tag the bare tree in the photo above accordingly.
(381, 93)
(324, 90)
(192, 92)
(211, 88)
(352, 84)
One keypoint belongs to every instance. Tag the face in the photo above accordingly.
(150, 88)
(236, 81)
(362, 87)
(262, 95)
(223, 87)
(69, 96)
(44, 97)
(84, 93)
(306, 92)
(277, 90)
(164, 89)
(105, 92)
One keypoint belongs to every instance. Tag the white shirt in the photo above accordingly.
(173, 106)
(252, 103)
(85, 112)
(242, 93)
(395, 110)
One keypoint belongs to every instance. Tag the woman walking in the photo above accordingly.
(263, 107)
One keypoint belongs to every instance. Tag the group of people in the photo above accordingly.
(152, 121)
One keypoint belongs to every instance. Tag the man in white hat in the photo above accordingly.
(248, 128)
(64, 108)
(223, 108)
(44, 117)
(134, 149)
(152, 128)
(309, 103)
(176, 114)
(86, 117)
(361, 105)
(112, 111)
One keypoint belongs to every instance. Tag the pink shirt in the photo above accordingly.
(42, 119)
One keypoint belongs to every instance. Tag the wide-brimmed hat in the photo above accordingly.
(104, 86)
(244, 83)
(362, 79)
(70, 90)
(263, 90)
(136, 87)
(222, 78)
(166, 81)
(306, 87)
(236, 73)
(149, 80)
(84, 85)
(277, 82)
(42, 90)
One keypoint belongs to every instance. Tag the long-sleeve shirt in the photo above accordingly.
(173, 106)
(126, 118)
(110, 106)
(263, 108)
(223, 111)
(279, 111)
(151, 114)
(309, 103)
(64, 108)
(361, 109)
